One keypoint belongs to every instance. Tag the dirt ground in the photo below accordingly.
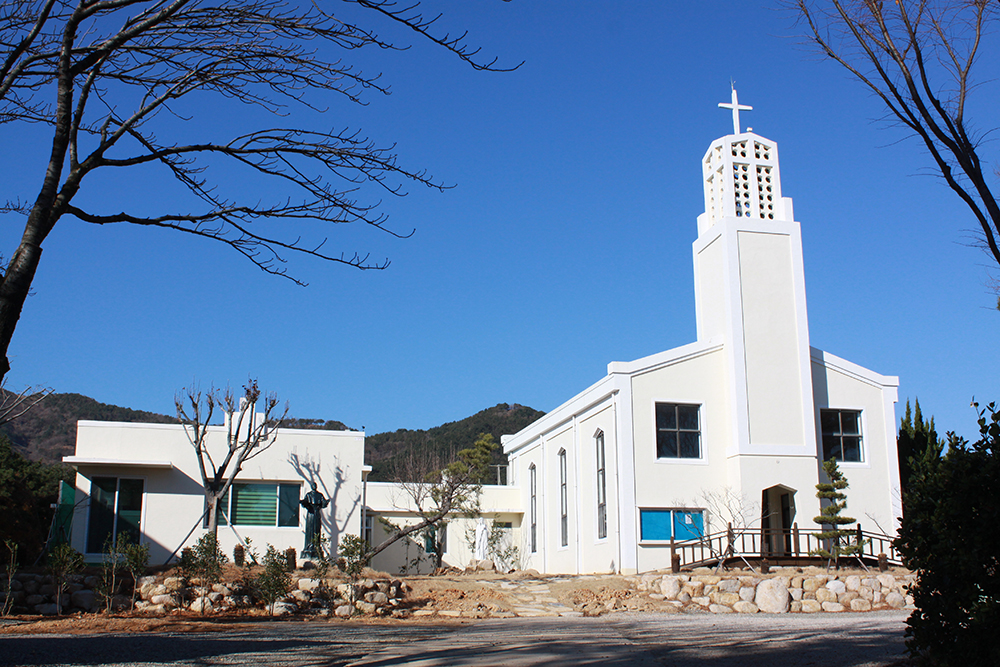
(465, 592)
(486, 592)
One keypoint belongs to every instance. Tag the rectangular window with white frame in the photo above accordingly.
(678, 431)
(663, 524)
(260, 504)
(841, 435)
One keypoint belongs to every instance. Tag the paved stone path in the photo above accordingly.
(532, 598)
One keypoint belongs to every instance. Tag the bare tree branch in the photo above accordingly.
(13, 406)
(105, 75)
(917, 57)
(247, 434)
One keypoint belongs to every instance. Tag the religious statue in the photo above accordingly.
(482, 539)
(313, 502)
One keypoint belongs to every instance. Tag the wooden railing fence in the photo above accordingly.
(774, 544)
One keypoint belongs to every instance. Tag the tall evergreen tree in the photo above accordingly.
(917, 441)
(837, 538)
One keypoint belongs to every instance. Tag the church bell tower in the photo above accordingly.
(750, 294)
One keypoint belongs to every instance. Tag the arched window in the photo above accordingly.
(602, 488)
(563, 501)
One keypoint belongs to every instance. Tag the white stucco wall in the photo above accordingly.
(173, 498)
(873, 497)
(390, 501)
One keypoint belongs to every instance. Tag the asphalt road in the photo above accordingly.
(674, 640)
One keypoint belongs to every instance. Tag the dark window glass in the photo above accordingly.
(841, 433)
(288, 504)
(689, 445)
(602, 498)
(115, 509)
(687, 417)
(129, 509)
(102, 513)
(678, 431)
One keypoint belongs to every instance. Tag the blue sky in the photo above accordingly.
(565, 244)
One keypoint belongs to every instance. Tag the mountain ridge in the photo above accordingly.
(47, 432)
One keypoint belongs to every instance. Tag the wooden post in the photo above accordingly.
(795, 538)
(675, 558)
(861, 537)
(883, 563)
(765, 567)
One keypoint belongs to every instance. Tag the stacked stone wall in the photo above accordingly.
(784, 590)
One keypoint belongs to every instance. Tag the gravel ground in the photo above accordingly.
(675, 640)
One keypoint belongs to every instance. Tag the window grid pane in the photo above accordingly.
(678, 431)
(841, 434)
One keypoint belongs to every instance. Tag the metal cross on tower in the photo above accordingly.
(735, 106)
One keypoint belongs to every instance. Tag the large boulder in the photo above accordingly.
(670, 587)
(308, 585)
(173, 584)
(84, 599)
(201, 605)
(772, 596)
(377, 598)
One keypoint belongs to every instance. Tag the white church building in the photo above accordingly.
(749, 410)
(608, 479)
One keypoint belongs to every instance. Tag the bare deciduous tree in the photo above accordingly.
(917, 56)
(247, 433)
(123, 84)
(451, 490)
(14, 405)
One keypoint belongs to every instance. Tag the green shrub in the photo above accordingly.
(207, 559)
(63, 561)
(949, 537)
(273, 581)
(354, 554)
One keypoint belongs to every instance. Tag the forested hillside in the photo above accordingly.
(394, 454)
(48, 432)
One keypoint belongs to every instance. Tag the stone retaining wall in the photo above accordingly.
(784, 590)
(316, 596)
(35, 594)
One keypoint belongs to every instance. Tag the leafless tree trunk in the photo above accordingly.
(247, 434)
(102, 75)
(917, 56)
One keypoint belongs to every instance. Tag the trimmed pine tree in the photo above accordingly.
(837, 539)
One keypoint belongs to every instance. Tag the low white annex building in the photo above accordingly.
(605, 481)
(749, 410)
(143, 479)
